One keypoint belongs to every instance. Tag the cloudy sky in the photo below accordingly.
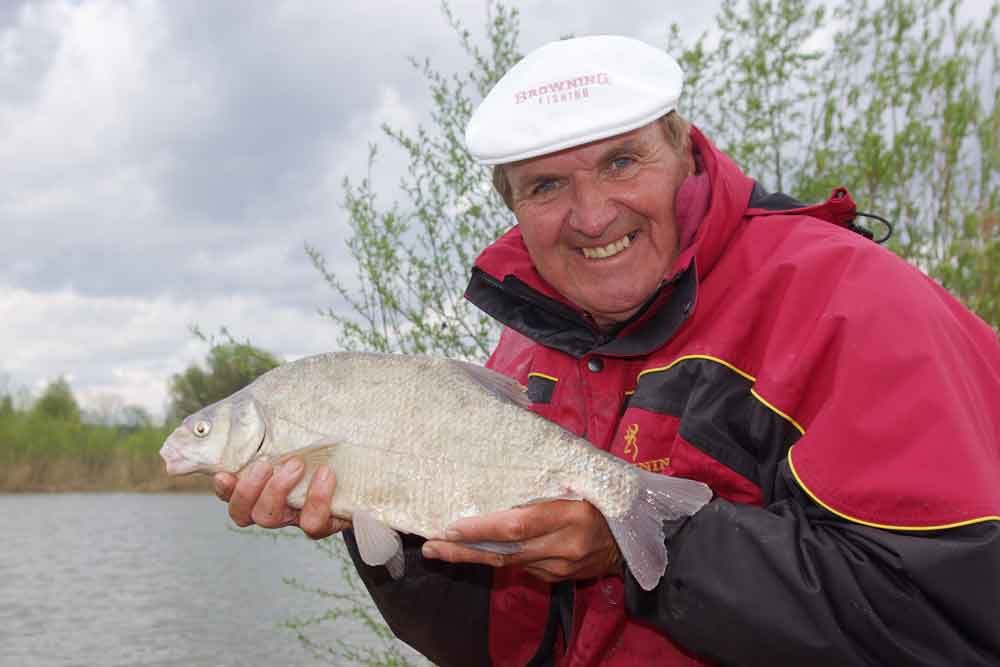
(163, 162)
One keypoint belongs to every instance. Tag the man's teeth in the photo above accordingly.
(609, 250)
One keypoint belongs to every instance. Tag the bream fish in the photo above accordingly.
(418, 442)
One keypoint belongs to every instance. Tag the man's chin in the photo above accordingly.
(607, 317)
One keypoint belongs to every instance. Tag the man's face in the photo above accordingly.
(598, 219)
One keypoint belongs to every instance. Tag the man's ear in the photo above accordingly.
(690, 164)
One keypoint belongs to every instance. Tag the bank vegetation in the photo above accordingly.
(50, 444)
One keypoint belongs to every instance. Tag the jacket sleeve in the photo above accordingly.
(440, 609)
(793, 584)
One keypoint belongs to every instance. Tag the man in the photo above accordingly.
(844, 409)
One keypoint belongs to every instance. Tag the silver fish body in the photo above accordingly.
(418, 442)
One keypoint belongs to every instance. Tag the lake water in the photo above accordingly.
(149, 579)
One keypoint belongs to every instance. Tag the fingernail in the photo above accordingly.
(452, 535)
(323, 473)
(220, 486)
(428, 551)
(260, 471)
(291, 468)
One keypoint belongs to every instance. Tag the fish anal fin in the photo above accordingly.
(396, 565)
(378, 544)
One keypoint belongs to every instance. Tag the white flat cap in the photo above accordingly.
(572, 92)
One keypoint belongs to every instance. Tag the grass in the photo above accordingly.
(40, 453)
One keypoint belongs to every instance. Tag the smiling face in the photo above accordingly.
(598, 220)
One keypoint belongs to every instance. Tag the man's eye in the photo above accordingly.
(622, 163)
(544, 186)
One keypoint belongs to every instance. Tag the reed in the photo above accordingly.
(42, 453)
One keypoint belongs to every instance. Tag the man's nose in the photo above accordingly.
(593, 209)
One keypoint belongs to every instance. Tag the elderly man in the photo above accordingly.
(843, 408)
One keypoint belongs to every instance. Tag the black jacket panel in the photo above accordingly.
(839, 593)
(440, 609)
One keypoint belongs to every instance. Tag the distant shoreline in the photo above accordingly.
(40, 454)
(117, 469)
(193, 484)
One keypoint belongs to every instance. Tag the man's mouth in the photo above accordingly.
(609, 250)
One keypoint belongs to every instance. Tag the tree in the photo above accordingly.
(58, 402)
(752, 90)
(133, 417)
(922, 141)
(906, 116)
(413, 262)
(112, 410)
(6, 405)
(229, 367)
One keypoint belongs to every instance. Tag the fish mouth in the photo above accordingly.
(176, 463)
(611, 249)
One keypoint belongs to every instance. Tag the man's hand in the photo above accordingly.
(560, 539)
(261, 497)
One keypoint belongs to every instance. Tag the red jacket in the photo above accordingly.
(843, 407)
(786, 360)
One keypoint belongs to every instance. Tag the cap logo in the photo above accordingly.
(567, 90)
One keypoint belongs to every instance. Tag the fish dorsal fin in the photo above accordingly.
(496, 383)
(378, 544)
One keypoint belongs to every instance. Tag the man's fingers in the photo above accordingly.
(246, 493)
(315, 519)
(558, 539)
(546, 570)
(224, 484)
(271, 509)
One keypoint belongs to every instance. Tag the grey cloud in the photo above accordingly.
(278, 107)
(230, 132)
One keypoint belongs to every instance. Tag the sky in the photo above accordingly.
(164, 162)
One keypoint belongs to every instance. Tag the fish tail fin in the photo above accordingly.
(639, 531)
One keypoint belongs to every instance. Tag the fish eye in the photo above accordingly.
(202, 427)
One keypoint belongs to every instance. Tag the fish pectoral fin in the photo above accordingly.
(569, 495)
(313, 456)
(505, 548)
(378, 544)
